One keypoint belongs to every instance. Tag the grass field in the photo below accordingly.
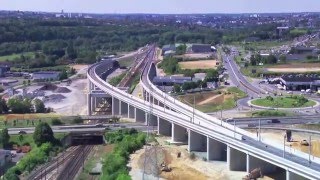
(201, 64)
(126, 62)
(223, 99)
(30, 120)
(269, 113)
(14, 56)
(282, 102)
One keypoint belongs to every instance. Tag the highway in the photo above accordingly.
(239, 80)
(254, 121)
(204, 124)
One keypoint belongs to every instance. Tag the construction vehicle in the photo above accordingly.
(165, 168)
(254, 174)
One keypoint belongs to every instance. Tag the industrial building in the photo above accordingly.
(45, 75)
(300, 82)
(201, 48)
(170, 80)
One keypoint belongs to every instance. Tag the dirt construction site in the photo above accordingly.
(153, 161)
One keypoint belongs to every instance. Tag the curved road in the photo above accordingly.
(208, 125)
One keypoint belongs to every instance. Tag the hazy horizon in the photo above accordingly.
(163, 6)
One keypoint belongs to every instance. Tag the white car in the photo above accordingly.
(290, 92)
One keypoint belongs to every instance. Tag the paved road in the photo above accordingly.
(239, 80)
(85, 128)
(265, 121)
(291, 129)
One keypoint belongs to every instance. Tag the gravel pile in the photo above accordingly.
(56, 98)
(48, 87)
(62, 90)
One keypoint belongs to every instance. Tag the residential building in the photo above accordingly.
(5, 157)
(201, 48)
(3, 70)
(169, 48)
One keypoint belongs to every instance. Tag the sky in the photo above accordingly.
(163, 6)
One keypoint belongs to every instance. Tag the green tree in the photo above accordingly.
(181, 49)
(39, 106)
(63, 75)
(271, 59)
(56, 122)
(3, 106)
(21, 138)
(176, 88)
(212, 75)
(18, 106)
(5, 137)
(283, 58)
(43, 134)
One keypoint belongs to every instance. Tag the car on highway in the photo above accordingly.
(99, 125)
(273, 121)
(22, 132)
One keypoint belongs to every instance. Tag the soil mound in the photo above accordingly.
(56, 97)
(62, 90)
(48, 87)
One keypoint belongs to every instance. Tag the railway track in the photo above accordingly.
(75, 163)
(43, 171)
(135, 69)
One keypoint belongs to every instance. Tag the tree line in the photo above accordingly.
(21, 106)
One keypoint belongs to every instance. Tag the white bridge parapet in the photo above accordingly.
(214, 135)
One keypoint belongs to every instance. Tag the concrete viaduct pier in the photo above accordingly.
(217, 142)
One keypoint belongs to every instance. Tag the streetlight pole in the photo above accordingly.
(309, 149)
(194, 106)
(234, 128)
(259, 129)
(284, 146)
(221, 116)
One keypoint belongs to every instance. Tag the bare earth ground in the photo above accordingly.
(199, 97)
(296, 67)
(137, 92)
(201, 64)
(196, 56)
(215, 98)
(75, 102)
(182, 168)
(297, 138)
(79, 67)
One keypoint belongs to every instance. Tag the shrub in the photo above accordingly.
(192, 156)
(36, 156)
(115, 163)
(77, 120)
(56, 122)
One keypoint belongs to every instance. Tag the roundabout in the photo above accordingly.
(283, 102)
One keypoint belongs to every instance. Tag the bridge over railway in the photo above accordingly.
(242, 150)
